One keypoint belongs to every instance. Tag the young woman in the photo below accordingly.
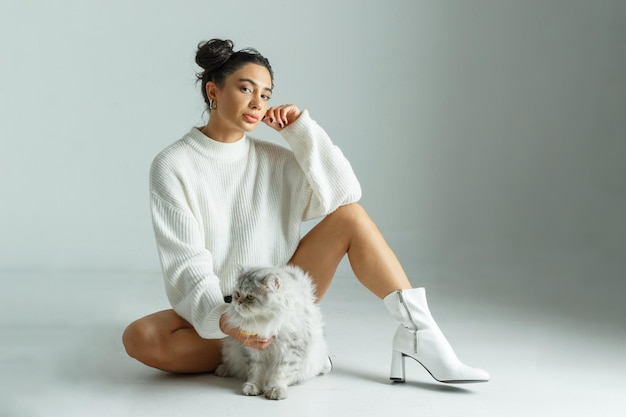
(221, 199)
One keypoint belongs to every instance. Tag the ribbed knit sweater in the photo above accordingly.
(217, 207)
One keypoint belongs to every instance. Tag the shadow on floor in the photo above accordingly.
(363, 375)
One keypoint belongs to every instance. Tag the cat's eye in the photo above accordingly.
(250, 297)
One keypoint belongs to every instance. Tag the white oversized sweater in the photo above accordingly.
(217, 207)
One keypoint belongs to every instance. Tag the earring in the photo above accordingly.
(212, 106)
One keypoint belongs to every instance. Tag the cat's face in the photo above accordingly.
(256, 293)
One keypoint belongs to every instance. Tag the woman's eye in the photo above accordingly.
(266, 97)
(245, 90)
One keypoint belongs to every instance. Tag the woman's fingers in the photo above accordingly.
(246, 338)
(282, 116)
(269, 119)
(279, 117)
(255, 341)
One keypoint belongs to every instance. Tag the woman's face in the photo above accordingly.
(242, 101)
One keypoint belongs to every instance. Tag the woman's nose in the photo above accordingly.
(255, 103)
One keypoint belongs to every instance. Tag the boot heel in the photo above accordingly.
(397, 367)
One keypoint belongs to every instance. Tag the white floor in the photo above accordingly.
(61, 354)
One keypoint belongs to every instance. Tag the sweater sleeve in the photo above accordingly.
(328, 173)
(191, 285)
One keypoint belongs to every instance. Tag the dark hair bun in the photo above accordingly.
(212, 54)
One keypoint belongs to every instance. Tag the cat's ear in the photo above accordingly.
(272, 282)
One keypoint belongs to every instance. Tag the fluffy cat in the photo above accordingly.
(279, 303)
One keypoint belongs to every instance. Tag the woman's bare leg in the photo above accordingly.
(166, 341)
(350, 230)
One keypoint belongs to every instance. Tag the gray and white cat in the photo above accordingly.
(279, 303)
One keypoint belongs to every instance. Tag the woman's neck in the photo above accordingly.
(220, 133)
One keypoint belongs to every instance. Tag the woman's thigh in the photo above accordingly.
(166, 321)
(159, 325)
(321, 250)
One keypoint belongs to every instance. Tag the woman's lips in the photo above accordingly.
(251, 118)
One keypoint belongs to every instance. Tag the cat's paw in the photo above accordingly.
(221, 370)
(250, 388)
(276, 393)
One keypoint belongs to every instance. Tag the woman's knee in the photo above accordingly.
(141, 340)
(353, 216)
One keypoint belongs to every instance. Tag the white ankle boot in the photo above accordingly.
(419, 337)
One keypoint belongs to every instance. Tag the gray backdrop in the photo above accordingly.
(489, 136)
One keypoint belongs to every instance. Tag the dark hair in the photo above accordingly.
(218, 60)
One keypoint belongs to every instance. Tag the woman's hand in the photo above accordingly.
(247, 339)
(280, 117)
